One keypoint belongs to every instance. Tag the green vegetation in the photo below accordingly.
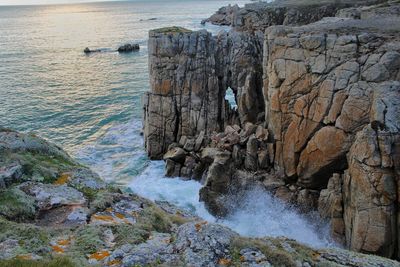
(31, 239)
(16, 205)
(276, 254)
(173, 29)
(57, 262)
(40, 166)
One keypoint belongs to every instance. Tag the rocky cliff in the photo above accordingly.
(317, 121)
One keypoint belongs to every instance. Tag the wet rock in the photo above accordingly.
(126, 48)
(176, 154)
(87, 50)
(330, 206)
(251, 160)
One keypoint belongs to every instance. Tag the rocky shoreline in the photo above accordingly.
(56, 212)
(316, 123)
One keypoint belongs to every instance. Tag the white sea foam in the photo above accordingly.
(118, 155)
(257, 213)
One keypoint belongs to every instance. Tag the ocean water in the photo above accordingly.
(91, 104)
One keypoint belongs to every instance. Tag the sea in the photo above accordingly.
(91, 104)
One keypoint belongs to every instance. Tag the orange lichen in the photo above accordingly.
(199, 225)
(114, 262)
(109, 209)
(224, 262)
(135, 214)
(242, 258)
(315, 256)
(58, 249)
(24, 257)
(103, 217)
(119, 216)
(100, 255)
(63, 242)
(63, 179)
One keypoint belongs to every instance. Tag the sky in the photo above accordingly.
(39, 2)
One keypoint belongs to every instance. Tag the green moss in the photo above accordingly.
(100, 200)
(173, 29)
(275, 254)
(88, 240)
(57, 262)
(41, 166)
(130, 234)
(155, 219)
(16, 205)
(32, 239)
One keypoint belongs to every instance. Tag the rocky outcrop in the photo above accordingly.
(261, 15)
(325, 134)
(126, 48)
(58, 221)
(189, 75)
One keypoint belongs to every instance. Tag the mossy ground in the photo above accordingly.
(57, 262)
(16, 205)
(273, 249)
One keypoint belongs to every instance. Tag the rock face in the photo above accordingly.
(189, 75)
(317, 120)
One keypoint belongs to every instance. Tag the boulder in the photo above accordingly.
(176, 154)
(126, 48)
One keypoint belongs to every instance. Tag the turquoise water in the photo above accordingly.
(89, 104)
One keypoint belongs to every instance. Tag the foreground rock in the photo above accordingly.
(57, 216)
(317, 120)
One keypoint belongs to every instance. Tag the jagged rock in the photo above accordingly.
(167, 117)
(263, 159)
(330, 206)
(307, 200)
(126, 48)
(218, 178)
(203, 244)
(319, 86)
(272, 182)
(261, 133)
(261, 15)
(176, 154)
(251, 160)
(370, 192)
